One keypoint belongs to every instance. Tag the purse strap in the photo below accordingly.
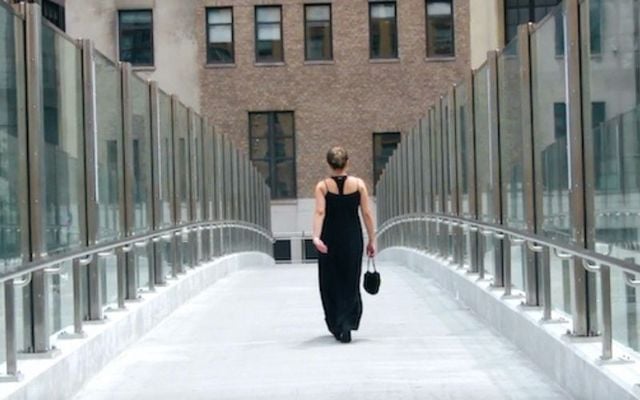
(371, 261)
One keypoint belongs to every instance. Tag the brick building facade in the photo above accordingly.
(340, 101)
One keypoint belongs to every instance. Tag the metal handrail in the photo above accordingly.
(563, 250)
(127, 243)
(589, 259)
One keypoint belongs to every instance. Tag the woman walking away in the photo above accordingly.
(337, 234)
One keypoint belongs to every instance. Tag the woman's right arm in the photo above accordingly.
(367, 215)
(318, 220)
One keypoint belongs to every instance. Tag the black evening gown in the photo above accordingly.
(339, 270)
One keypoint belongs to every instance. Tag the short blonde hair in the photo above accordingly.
(337, 157)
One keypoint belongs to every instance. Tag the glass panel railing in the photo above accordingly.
(109, 281)
(464, 137)
(511, 141)
(550, 121)
(197, 175)
(10, 212)
(61, 300)
(141, 149)
(63, 162)
(50, 194)
(484, 160)
(108, 148)
(166, 160)
(181, 152)
(611, 109)
(166, 180)
(63, 137)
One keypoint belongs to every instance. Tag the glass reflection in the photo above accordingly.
(62, 163)
(551, 147)
(10, 230)
(612, 127)
(509, 94)
(141, 149)
(108, 148)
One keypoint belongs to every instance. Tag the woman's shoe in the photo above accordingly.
(345, 337)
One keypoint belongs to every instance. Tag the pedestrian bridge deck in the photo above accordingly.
(260, 334)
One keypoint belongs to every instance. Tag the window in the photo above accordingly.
(440, 39)
(560, 120)
(272, 141)
(383, 30)
(517, 12)
(136, 36)
(54, 13)
(317, 32)
(269, 34)
(595, 34)
(384, 144)
(595, 26)
(310, 251)
(282, 250)
(220, 35)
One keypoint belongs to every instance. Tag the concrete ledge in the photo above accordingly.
(572, 362)
(80, 359)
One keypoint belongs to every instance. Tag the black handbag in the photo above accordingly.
(371, 278)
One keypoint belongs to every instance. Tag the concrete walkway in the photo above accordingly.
(260, 334)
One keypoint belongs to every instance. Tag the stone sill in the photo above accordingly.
(273, 64)
(384, 60)
(440, 59)
(320, 62)
(217, 66)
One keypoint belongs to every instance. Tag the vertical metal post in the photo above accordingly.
(580, 303)
(530, 192)
(207, 153)
(454, 165)
(588, 146)
(607, 323)
(176, 239)
(94, 309)
(496, 181)
(129, 258)
(192, 161)
(157, 181)
(39, 297)
(474, 248)
(10, 330)
(78, 308)
(546, 284)
(121, 277)
(23, 112)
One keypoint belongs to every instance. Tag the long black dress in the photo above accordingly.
(339, 270)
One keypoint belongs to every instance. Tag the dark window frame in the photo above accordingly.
(375, 135)
(531, 9)
(255, 28)
(152, 27)
(453, 32)
(330, 21)
(233, 34)
(272, 160)
(396, 55)
(282, 250)
(54, 13)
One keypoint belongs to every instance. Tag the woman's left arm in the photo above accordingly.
(318, 220)
(367, 215)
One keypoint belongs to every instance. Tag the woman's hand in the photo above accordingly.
(320, 246)
(371, 249)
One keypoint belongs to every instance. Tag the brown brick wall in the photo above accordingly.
(338, 104)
